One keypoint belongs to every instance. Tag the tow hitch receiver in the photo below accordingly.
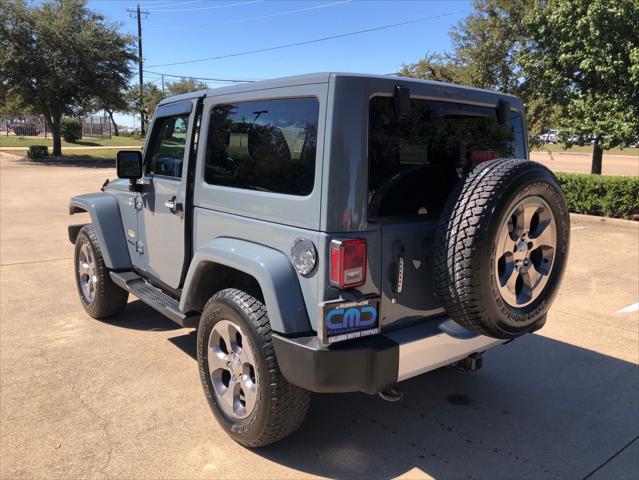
(471, 363)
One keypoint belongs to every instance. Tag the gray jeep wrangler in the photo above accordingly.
(327, 233)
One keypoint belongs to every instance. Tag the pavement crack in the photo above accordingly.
(611, 458)
(103, 423)
(35, 261)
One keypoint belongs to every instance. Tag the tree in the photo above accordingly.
(435, 66)
(112, 99)
(485, 55)
(185, 85)
(583, 56)
(485, 45)
(152, 96)
(58, 56)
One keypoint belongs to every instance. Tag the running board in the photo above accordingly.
(154, 297)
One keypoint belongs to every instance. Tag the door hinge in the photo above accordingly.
(136, 202)
(139, 247)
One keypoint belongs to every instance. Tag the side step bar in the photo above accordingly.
(154, 297)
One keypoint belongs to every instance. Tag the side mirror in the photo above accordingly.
(128, 164)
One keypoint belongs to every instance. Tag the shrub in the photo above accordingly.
(71, 129)
(37, 151)
(134, 134)
(608, 196)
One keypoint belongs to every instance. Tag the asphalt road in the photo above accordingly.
(578, 162)
(81, 398)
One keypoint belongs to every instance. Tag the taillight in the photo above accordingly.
(348, 263)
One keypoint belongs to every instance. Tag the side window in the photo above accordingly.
(168, 142)
(266, 145)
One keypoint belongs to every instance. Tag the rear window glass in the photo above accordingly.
(414, 162)
(267, 145)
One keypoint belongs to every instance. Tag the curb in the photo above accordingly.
(593, 220)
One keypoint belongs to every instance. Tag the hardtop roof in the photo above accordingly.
(307, 79)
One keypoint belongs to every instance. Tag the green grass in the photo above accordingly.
(89, 154)
(12, 141)
(585, 149)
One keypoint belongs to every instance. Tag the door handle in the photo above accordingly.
(174, 207)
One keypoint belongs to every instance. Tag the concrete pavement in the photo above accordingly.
(81, 398)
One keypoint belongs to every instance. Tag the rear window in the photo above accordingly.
(267, 145)
(414, 162)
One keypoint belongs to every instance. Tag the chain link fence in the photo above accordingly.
(27, 125)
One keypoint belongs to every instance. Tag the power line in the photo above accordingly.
(307, 42)
(260, 17)
(222, 80)
(236, 4)
(164, 3)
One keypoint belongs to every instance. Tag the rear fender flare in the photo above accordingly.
(271, 269)
(105, 216)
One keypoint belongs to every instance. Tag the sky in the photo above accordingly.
(184, 30)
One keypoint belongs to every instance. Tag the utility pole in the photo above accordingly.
(139, 14)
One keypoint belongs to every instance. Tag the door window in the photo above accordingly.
(268, 145)
(168, 143)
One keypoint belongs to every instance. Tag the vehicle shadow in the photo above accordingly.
(540, 408)
(139, 316)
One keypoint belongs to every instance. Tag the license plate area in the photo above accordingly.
(345, 320)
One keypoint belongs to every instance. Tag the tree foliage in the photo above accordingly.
(185, 85)
(439, 67)
(487, 41)
(485, 46)
(575, 63)
(583, 57)
(57, 56)
(151, 96)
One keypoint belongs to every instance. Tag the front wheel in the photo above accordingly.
(240, 375)
(100, 297)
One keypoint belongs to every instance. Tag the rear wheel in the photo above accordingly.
(501, 248)
(100, 297)
(240, 375)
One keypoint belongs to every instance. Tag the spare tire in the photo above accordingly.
(501, 248)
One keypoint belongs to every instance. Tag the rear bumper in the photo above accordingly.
(374, 363)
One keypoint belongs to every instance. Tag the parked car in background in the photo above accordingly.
(551, 136)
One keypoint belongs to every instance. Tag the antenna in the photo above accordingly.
(139, 14)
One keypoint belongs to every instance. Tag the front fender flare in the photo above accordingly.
(272, 270)
(107, 222)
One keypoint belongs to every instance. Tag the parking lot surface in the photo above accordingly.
(81, 398)
(580, 162)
